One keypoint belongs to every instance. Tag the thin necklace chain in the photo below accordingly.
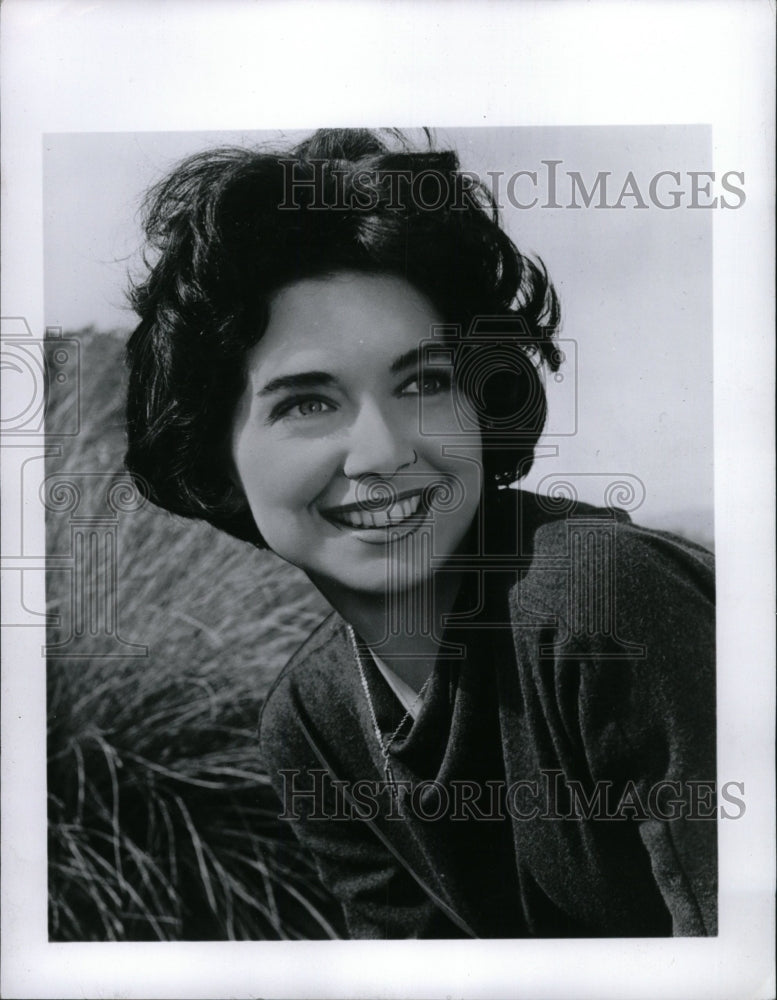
(384, 744)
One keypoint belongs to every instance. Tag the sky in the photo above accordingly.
(634, 399)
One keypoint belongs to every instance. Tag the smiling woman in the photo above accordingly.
(502, 727)
(332, 407)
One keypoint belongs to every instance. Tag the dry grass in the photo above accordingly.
(162, 824)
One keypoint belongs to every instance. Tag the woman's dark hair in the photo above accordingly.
(229, 227)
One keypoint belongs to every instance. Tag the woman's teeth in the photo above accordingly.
(382, 518)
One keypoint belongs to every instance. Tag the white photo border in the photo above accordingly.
(131, 66)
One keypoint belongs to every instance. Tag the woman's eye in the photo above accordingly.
(428, 385)
(311, 407)
(302, 408)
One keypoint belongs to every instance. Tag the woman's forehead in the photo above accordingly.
(345, 294)
(347, 317)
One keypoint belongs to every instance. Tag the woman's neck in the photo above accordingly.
(404, 629)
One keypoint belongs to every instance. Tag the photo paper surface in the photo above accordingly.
(155, 640)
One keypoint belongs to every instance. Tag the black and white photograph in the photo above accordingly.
(383, 487)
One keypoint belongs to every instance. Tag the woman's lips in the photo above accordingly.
(403, 510)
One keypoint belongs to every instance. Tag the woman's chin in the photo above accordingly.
(372, 578)
(376, 561)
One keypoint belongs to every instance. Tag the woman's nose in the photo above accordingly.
(376, 446)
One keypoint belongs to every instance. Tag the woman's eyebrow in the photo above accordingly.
(405, 360)
(300, 380)
(304, 380)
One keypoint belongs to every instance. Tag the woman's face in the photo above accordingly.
(336, 412)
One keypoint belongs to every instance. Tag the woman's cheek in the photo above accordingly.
(289, 477)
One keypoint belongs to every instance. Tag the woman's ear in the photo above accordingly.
(228, 466)
(235, 515)
(234, 495)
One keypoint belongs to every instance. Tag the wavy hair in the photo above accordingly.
(229, 227)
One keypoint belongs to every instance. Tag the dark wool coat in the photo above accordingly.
(559, 778)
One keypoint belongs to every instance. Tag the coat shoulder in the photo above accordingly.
(590, 553)
(307, 675)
